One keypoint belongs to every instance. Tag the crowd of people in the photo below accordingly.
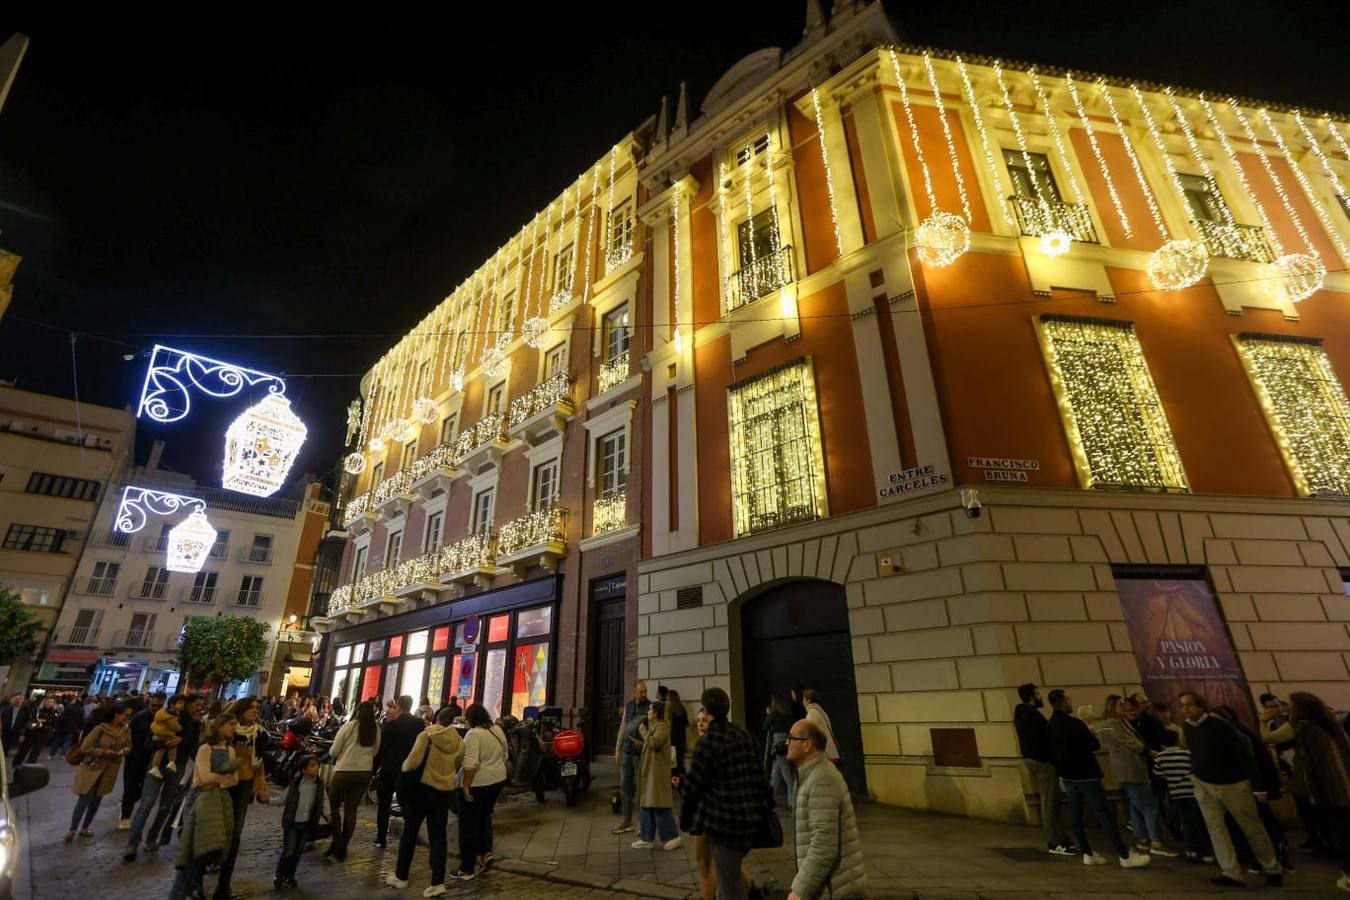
(1206, 783)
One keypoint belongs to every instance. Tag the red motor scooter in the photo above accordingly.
(565, 765)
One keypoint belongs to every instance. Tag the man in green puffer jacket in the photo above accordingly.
(829, 853)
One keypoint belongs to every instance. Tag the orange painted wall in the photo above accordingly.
(813, 195)
(1145, 234)
(703, 249)
(1279, 218)
(712, 374)
(869, 225)
(938, 159)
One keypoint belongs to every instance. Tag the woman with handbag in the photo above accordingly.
(99, 759)
(657, 822)
(484, 775)
(425, 790)
(353, 754)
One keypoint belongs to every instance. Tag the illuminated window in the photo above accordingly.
(1204, 199)
(757, 147)
(396, 645)
(1031, 183)
(613, 466)
(616, 332)
(1116, 424)
(417, 643)
(621, 226)
(1305, 406)
(777, 474)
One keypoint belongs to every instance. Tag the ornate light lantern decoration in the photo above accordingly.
(354, 463)
(536, 331)
(261, 446)
(1294, 276)
(190, 542)
(1177, 264)
(942, 238)
(424, 410)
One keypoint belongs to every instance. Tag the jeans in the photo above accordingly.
(433, 807)
(1193, 827)
(344, 799)
(782, 774)
(1143, 812)
(384, 800)
(1047, 786)
(1237, 801)
(727, 869)
(58, 742)
(241, 794)
(184, 877)
(150, 794)
(475, 824)
(628, 770)
(86, 804)
(293, 840)
(133, 781)
(1093, 794)
(658, 820)
(170, 799)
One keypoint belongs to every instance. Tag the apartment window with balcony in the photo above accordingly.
(154, 584)
(161, 543)
(765, 264)
(250, 591)
(1213, 218)
(376, 474)
(203, 588)
(261, 551)
(221, 548)
(392, 548)
(61, 486)
(435, 525)
(1305, 406)
(545, 488)
(1117, 427)
(613, 463)
(103, 580)
(621, 226)
(409, 454)
(777, 475)
(1037, 203)
(359, 562)
(142, 630)
(447, 429)
(496, 399)
(86, 627)
(36, 538)
(482, 511)
(1034, 182)
(555, 361)
(616, 332)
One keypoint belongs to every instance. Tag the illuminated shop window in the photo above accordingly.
(777, 470)
(1116, 425)
(1306, 407)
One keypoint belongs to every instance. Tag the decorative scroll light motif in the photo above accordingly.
(354, 463)
(138, 504)
(190, 542)
(166, 393)
(261, 445)
(424, 410)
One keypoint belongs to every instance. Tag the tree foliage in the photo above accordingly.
(221, 649)
(18, 627)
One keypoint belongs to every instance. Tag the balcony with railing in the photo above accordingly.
(562, 296)
(391, 497)
(545, 408)
(483, 441)
(419, 577)
(1036, 218)
(248, 598)
(1234, 241)
(537, 538)
(761, 276)
(157, 544)
(76, 636)
(117, 539)
(613, 373)
(615, 257)
(357, 515)
(434, 471)
(98, 587)
(220, 550)
(148, 590)
(470, 560)
(356, 598)
(609, 512)
(256, 554)
(199, 593)
(134, 639)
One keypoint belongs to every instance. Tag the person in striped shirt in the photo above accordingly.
(1174, 764)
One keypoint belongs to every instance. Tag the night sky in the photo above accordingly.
(294, 197)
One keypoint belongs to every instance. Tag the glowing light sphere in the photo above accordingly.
(494, 361)
(536, 332)
(407, 430)
(354, 463)
(376, 445)
(1178, 264)
(1056, 243)
(941, 239)
(190, 542)
(1294, 276)
(425, 410)
(261, 446)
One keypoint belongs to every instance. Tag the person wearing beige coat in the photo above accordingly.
(657, 822)
(96, 775)
(829, 851)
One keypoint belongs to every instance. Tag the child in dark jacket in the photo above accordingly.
(306, 803)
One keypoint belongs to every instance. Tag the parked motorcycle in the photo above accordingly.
(564, 763)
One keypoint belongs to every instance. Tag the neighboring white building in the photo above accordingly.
(125, 610)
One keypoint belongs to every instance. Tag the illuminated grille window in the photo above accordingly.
(1116, 425)
(1306, 407)
(777, 474)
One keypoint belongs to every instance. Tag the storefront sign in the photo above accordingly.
(1002, 468)
(83, 657)
(1181, 644)
(910, 480)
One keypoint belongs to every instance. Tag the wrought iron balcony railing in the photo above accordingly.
(609, 512)
(763, 275)
(220, 550)
(1234, 241)
(389, 488)
(551, 393)
(199, 593)
(1036, 218)
(490, 428)
(115, 538)
(614, 372)
(441, 458)
(248, 598)
(356, 507)
(617, 256)
(135, 639)
(78, 636)
(148, 590)
(256, 554)
(542, 526)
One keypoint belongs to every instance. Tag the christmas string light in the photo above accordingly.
(1199, 155)
(1316, 146)
(1337, 137)
(1285, 201)
(1238, 171)
(1055, 241)
(829, 177)
(984, 140)
(590, 233)
(746, 172)
(1330, 229)
(724, 238)
(535, 329)
(914, 135)
(1144, 187)
(675, 215)
(609, 209)
(1058, 139)
(1097, 152)
(775, 239)
(947, 135)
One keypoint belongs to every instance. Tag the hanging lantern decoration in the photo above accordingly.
(1178, 264)
(1294, 276)
(354, 463)
(261, 445)
(425, 410)
(536, 331)
(376, 445)
(494, 361)
(941, 239)
(1056, 243)
(190, 542)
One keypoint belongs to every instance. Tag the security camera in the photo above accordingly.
(970, 499)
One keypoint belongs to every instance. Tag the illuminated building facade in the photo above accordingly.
(945, 375)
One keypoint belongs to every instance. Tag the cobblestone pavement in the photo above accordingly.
(551, 851)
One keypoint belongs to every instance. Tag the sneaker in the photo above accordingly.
(1254, 868)
(674, 843)
(1134, 861)
(434, 890)
(172, 767)
(154, 773)
(640, 844)
(123, 824)
(1161, 850)
(394, 881)
(461, 875)
(486, 863)
(622, 828)
(1094, 859)
(1225, 881)
(86, 832)
(380, 843)
(1062, 850)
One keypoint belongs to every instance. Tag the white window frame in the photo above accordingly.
(433, 531)
(551, 468)
(481, 514)
(619, 416)
(606, 352)
(409, 454)
(393, 548)
(619, 439)
(360, 558)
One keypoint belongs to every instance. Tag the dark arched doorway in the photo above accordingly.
(796, 633)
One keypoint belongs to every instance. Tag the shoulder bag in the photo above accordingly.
(75, 755)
